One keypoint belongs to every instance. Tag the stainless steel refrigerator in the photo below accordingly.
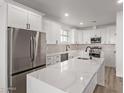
(26, 53)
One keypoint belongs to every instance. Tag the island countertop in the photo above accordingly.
(71, 76)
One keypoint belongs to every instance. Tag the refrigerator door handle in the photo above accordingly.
(34, 48)
(31, 42)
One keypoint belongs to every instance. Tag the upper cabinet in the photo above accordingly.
(107, 34)
(87, 34)
(52, 30)
(111, 32)
(34, 21)
(78, 37)
(22, 18)
(17, 17)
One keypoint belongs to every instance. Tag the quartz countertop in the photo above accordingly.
(71, 76)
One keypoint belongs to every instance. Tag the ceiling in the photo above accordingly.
(101, 11)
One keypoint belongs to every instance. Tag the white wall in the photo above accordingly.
(119, 46)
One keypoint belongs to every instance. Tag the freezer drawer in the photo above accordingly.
(17, 83)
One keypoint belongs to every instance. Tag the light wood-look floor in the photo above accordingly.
(113, 84)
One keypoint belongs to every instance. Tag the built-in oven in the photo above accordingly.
(95, 51)
(95, 40)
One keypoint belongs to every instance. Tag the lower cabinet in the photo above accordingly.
(91, 86)
(56, 59)
(49, 60)
(101, 75)
(53, 59)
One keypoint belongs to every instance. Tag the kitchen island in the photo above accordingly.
(71, 76)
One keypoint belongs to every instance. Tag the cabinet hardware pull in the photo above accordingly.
(26, 26)
(29, 26)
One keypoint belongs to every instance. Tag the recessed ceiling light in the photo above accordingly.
(120, 1)
(81, 23)
(81, 78)
(66, 14)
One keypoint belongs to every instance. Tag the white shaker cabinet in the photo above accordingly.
(103, 36)
(49, 60)
(86, 37)
(57, 58)
(53, 59)
(56, 30)
(17, 17)
(111, 34)
(71, 36)
(35, 21)
(78, 37)
(107, 34)
(91, 86)
(47, 26)
(75, 37)
(24, 19)
(52, 30)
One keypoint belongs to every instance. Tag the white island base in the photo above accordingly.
(72, 76)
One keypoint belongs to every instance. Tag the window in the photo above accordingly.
(64, 36)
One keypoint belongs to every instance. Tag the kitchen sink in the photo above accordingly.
(83, 58)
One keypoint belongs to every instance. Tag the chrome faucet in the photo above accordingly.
(87, 48)
(89, 53)
(67, 46)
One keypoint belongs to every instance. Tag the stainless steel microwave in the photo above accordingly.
(96, 40)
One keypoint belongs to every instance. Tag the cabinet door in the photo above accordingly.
(86, 37)
(76, 37)
(112, 35)
(35, 21)
(17, 17)
(50, 33)
(71, 36)
(91, 86)
(80, 37)
(103, 36)
(56, 29)
(46, 28)
(52, 30)
(49, 60)
(56, 58)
